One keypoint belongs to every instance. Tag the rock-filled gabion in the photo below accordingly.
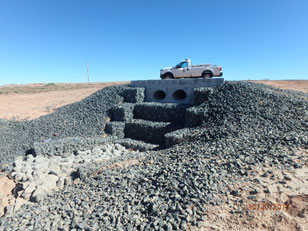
(180, 135)
(149, 131)
(134, 95)
(122, 112)
(162, 112)
(245, 125)
(195, 116)
(202, 95)
(115, 129)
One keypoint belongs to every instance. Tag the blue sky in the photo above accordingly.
(51, 40)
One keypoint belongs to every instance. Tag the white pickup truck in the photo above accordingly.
(186, 70)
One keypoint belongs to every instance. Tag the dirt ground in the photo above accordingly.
(297, 85)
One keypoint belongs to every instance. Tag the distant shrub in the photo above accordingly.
(50, 84)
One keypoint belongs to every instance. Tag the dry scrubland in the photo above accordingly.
(254, 204)
(297, 85)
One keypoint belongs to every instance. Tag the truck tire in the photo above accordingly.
(207, 75)
(168, 76)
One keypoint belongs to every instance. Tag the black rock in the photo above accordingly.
(253, 192)
(235, 193)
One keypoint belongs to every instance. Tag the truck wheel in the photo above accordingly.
(207, 75)
(168, 76)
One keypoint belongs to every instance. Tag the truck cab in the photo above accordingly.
(182, 69)
(185, 69)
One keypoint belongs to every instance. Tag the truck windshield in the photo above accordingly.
(182, 64)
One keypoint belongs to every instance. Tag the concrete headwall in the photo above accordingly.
(174, 90)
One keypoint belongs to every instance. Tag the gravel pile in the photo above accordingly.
(84, 118)
(257, 112)
(246, 125)
(42, 174)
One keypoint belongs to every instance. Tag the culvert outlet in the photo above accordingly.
(179, 95)
(159, 95)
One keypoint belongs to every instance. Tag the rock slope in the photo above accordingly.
(246, 125)
(84, 118)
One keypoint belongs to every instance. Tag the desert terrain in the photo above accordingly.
(30, 101)
(297, 85)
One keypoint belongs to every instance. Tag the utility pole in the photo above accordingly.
(88, 72)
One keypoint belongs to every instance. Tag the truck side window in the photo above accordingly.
(185, 64)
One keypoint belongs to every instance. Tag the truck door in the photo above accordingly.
(182, 70)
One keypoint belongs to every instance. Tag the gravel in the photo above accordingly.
(245, 125)
(67, 146)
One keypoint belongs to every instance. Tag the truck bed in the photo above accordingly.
(201, 65)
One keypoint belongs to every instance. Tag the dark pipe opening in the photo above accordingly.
(179, 95)
(159, 95)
